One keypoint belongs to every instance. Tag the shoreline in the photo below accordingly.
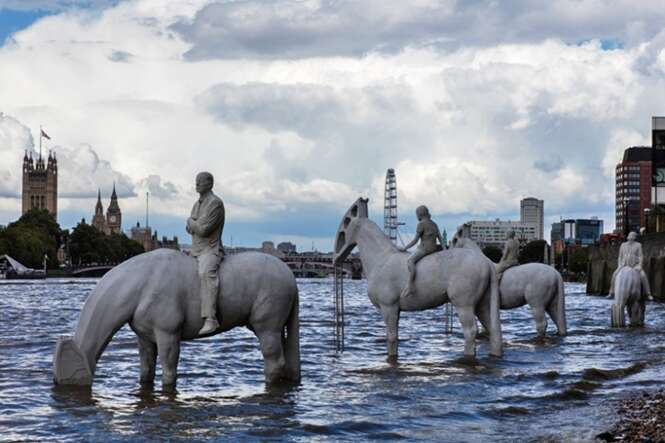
(640, 418)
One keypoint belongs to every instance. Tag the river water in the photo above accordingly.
(557, 389)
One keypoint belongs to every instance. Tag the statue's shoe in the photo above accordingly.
(209, 326)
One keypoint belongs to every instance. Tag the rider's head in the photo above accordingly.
(632, 236)
(422, 212)
(510, 234)
(204, 182)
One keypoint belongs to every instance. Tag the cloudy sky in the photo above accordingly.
(298, 107)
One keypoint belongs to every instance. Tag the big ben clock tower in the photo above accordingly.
(114, 215)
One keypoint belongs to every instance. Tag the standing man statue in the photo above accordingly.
(630, 254)
(511, 252)
(428, 233)
(206, 225)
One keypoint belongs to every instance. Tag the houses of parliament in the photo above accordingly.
(40, 191)
(112, 222)
(40, 184)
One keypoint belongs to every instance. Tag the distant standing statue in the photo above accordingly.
(630, 255)
(511, 252)
(206, 225)
(428, 233)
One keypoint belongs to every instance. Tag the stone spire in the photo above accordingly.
(114, 200)
(99, 209)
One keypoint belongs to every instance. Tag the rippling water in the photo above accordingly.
(557, 389)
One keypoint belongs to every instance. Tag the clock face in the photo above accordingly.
(112, 219)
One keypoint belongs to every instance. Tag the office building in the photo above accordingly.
(493, 233)
(640, 179)
(532, 211)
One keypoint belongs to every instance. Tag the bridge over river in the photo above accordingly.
(306, 265)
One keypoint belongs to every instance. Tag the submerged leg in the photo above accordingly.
(553, 312)
(541, 321)
(468, 322)
(483, 314)
(148, 357)
(391, 318)
(168, 348)
(273, 355)
(618, 314)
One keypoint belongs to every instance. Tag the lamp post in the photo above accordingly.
(647, 213)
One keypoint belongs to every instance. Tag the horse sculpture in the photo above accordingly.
(538, 285)
(628, 295)
(157, 293)
(458, 276)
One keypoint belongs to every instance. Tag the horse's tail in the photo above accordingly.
(106, 310)
(496, 340)
(561, 307)
(292, 341)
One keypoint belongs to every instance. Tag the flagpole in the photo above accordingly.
(40, 142)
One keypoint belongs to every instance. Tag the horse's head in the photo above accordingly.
(460, 241)
(345, 239)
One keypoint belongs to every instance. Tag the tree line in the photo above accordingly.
(37, 234)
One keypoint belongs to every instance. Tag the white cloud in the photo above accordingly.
(278, 29)
(474, 114)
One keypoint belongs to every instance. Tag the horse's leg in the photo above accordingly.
(483, 314)
(620, 307)
(541, 321)
(391, 318)
(634, 313)
(553, 311)
(274, 364)
(468, 322)
(168, 349)
(148, 357)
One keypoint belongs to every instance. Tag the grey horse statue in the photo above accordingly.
(536, 284)
(157, 294)
(628, 296)
(457, 276)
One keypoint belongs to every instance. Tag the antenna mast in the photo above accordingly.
(147, 201)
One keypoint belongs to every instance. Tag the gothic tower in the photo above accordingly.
(98, 220)
(40, 184)
(114, 215)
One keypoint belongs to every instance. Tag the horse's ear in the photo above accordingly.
(363, 210)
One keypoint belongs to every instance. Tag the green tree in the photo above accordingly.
(533, 252)
(578, 260)
(493, 253)
(30, 237)
(87, 245)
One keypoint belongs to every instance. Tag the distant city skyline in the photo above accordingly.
(298, 121)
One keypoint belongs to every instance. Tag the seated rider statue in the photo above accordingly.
(428, 233)
(206, 225)
(511, 252)
(630, 254)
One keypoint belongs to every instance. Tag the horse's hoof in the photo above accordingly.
(392, 359)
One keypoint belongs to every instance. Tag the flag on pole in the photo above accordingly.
(45, 135)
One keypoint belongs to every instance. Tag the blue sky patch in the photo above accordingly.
(13, 21)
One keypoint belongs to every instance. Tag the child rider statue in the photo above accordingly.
(428, 233)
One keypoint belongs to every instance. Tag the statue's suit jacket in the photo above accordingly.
(207, 225)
